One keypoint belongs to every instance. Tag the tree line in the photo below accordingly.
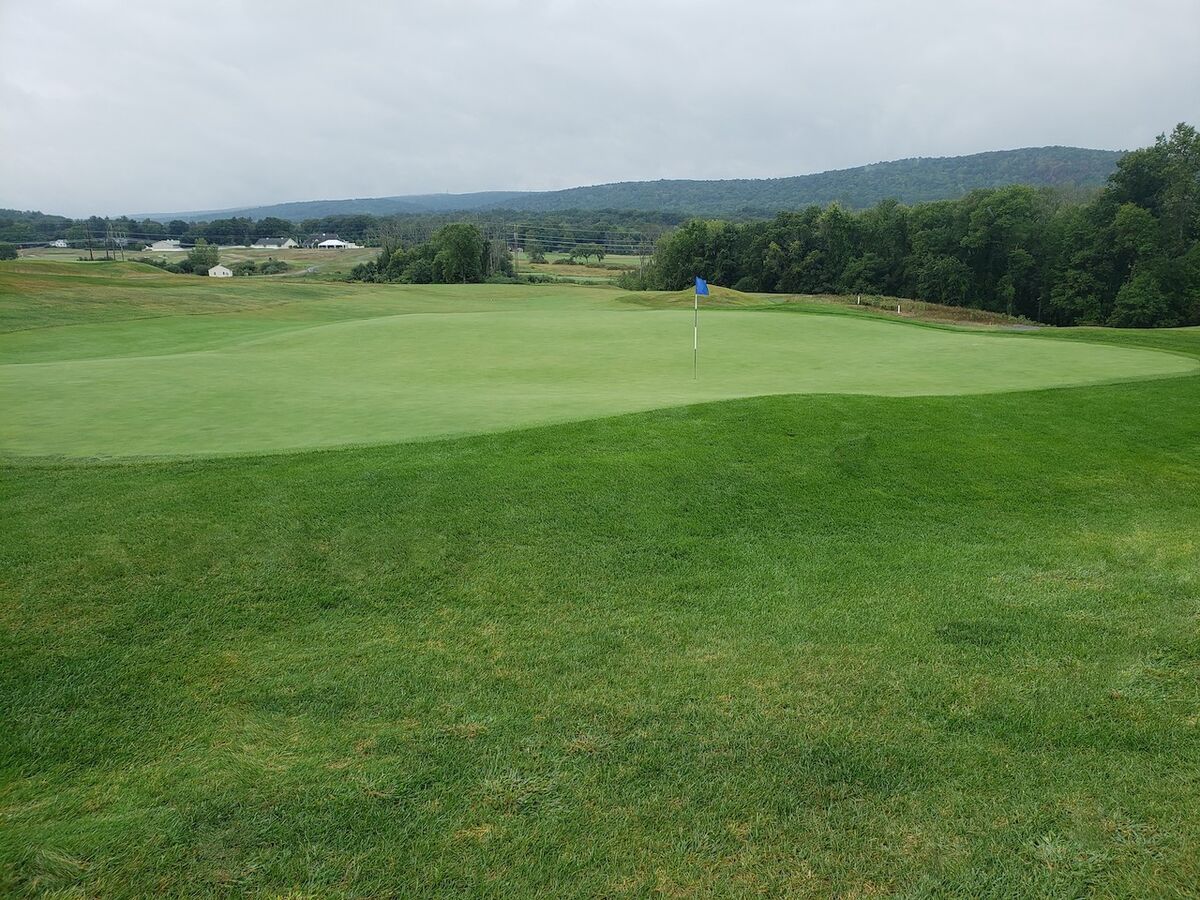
(1128, 257)
(455, 254)
(616, 231)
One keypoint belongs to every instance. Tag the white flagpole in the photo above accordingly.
(696, 337)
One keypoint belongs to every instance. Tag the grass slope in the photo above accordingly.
(791, 645)
(717, 297)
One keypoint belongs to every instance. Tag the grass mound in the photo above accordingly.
(717, 296)
(108, 268)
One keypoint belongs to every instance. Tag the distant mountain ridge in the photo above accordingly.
(907, 180)
(375, 206)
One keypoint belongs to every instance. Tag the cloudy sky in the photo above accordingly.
(160, 106)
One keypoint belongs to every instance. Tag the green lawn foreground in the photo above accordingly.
(793, 645)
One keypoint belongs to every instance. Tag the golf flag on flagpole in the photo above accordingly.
(701, 287)
(701, 291)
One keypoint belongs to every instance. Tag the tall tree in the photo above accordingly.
(459, 250)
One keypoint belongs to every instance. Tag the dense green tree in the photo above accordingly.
(458, 253)
(866, 274)
(1141, 303)
(201, 257)
(418, 271)
(29, 225)
(944, 279)
(8, 251)
(273, 227)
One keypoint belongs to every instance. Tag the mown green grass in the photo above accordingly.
(791, 645)
(283, 366)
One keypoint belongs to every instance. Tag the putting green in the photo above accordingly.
(274, 379)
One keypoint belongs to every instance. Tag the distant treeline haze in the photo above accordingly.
(621, 231)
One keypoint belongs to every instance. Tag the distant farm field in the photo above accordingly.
(318, 589)
(335, 263)
(302, 261)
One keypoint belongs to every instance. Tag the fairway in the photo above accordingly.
(920, 621)
(408, 363)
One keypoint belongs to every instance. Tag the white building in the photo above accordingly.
(165, 245)
(219, 272)
(283, 243)
(332, 244)
(60, 244)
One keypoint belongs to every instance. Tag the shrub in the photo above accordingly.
(202, 257)
(642, 279)
(419, 271)
(8, 251)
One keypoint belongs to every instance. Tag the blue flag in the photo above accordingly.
(701, 287)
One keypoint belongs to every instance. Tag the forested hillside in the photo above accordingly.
(906, 180)
(299, 210)
(1072, 171)
(27, 225)
(1130, 257)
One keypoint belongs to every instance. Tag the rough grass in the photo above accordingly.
(717, 297)
(847, 304)
(789, 646)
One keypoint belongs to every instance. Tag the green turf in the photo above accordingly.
(786, 646)
(277, 367)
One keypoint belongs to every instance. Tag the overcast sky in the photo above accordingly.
(127, 107)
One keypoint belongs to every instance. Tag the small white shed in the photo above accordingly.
(219, 272)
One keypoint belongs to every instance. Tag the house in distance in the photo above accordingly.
(326, 241)
(277, 243)
(220, 272)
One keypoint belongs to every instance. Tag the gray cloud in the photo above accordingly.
(135, 107)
